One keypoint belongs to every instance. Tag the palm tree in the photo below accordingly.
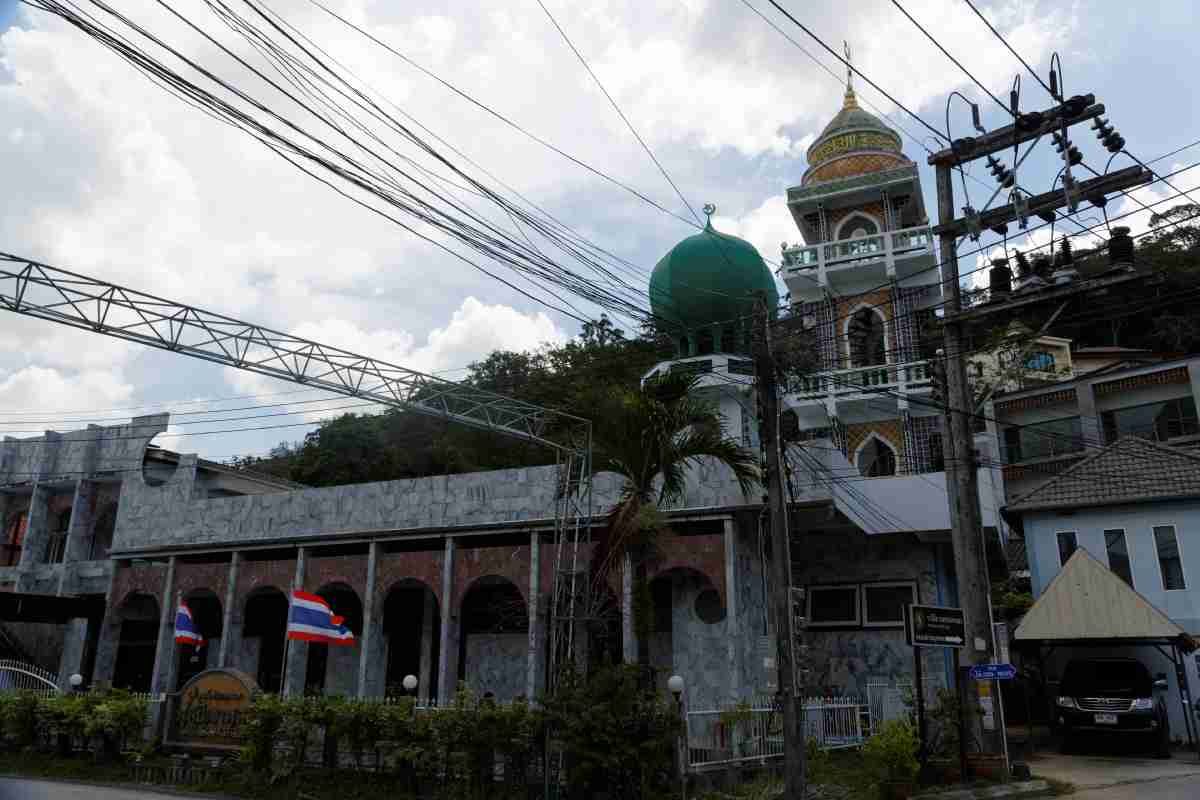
(650, 436)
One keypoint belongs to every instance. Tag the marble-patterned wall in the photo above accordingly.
(496, 663)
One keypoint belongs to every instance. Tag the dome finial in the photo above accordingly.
(850, 100)
(709, 210)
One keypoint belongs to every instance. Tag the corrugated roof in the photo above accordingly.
(1131, 470)
(1086, 600)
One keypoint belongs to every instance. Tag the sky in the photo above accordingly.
(107, 174)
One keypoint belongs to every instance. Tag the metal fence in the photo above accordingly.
(887, 701)
(753, 732)
(17, 676)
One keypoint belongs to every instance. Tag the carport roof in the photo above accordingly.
(1086, 600)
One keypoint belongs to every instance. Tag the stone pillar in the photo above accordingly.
(425, 678)
(33, 547)
(79, 531)
(231, 621)
(733, 624)
(447, 685)
(628, 640)
(165, 662)
(295, 662)
(110, 631)
(1090, 429)
(534, 664)
(370, 632)
(74, 644)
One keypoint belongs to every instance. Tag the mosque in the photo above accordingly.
(104, 520)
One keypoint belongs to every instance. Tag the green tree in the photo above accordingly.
(650, 436)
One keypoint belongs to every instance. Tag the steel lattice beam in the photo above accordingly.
(37, 290)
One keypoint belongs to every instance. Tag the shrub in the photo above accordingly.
(891, 754)
(260, 727)
(619, 736)
(116, 717)
(19, 715)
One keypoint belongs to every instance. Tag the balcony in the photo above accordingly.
(861, 380)
(904, 255)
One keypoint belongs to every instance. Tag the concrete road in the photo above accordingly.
(14, 789)
(1183, 787)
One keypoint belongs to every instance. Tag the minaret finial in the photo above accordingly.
(709, 210)
(851, 100)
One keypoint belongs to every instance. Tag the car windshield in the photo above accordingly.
(1105, 678)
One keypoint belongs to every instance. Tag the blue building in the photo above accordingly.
(1134, 507)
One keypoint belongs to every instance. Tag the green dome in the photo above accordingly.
(709, 281)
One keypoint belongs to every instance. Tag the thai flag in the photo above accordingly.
(186, 631)
(312, 620)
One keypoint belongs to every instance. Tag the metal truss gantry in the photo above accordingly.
(38, 290)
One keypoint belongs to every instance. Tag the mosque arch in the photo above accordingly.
(263, 631)
(856, 225)
(137, 641)
(412, 623)
(334, 669)
(866, 336)
(493, 637)
(207, 615)
(875, 457)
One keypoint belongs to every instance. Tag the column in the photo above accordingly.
(295, 664)
(33, 548)
(369, 633)
(734, 633)
(110, 631)
(1090, 429)
(425, 676)
(231, 622)
(628, 642)
(533, 667)
(78, 530)
(74, 645)
(447, 685)
(164, 655)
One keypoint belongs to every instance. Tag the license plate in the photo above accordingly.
(1106, 719)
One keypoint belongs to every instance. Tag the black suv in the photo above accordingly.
(1111, 695)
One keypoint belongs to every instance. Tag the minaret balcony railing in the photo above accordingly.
(860, 380)
(889, 246)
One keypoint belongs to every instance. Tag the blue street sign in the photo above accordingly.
(993, 672)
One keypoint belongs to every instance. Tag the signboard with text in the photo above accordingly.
(993, 672)
(936, 626)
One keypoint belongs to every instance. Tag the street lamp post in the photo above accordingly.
(409, 683)
(675, 684)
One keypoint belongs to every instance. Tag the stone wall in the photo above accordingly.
(495, 662)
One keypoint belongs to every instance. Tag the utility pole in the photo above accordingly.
(781, 557)
(958, 443)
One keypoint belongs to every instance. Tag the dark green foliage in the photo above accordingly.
(619, 737)
(396, 444)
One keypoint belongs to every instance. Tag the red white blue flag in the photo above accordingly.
(186, 631)
(312, 620)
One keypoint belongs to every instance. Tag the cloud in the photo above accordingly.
(53, 391)
(474, 330)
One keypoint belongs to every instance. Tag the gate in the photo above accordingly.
(17, 676)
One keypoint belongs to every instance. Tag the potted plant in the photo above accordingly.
(891, 755)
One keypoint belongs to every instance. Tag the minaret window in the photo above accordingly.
(876, 459)
(857, 226)
(866, 338)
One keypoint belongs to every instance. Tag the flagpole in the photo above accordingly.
(287, 643)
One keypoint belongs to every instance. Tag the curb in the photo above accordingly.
(1034, 788)
(148, 788)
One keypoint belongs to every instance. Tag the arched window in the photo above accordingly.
(856, 226)
(876, 459)
(866, 338)
(684, 347)
(704, 342)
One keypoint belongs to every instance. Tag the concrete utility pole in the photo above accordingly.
(958, 445)
(781, 557)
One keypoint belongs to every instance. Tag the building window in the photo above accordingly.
(876, 459)
(833, 606)
(857, 226)
(1066, 547)
(1040, 361)
(1042, 439)
(14, 538)
(1169, 562)
(867, 342)
(1158, 421)
(1118, 554)
(884, 603)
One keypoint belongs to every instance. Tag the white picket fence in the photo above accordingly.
(17, 676)
(736, 734)
(887, 701)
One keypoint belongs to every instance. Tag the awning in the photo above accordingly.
(25, 607)
(1088, 602)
